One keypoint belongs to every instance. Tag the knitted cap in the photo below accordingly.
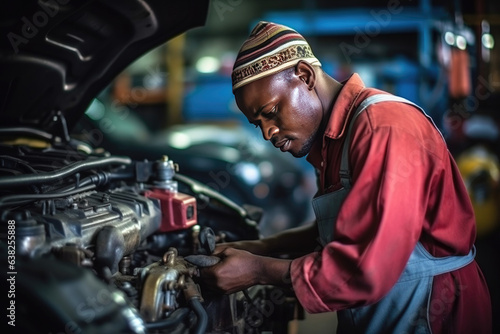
(269, 49)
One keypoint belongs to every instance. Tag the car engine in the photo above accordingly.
(97, 243)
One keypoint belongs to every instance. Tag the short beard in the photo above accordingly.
(306, 147)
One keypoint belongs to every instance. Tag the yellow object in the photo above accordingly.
(480, 170)
(35, 143)
(175, 87)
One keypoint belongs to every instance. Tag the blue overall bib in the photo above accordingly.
(405, 309)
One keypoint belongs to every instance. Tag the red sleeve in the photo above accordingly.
(394, 163)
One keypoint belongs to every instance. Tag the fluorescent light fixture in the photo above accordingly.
(461, 42)
(488, 41)
(179, 140)
(208, 64)
(449, 38)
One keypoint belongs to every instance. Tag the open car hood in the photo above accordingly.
(57, 55)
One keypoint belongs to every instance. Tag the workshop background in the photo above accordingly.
(443, 55)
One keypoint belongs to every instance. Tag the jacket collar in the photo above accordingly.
(339, 116)
(343, 106)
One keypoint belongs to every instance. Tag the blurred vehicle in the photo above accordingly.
(230, 158)
(479, 166)
(97, 242)
(480, 170)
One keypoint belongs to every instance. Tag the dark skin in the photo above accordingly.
(292, 109)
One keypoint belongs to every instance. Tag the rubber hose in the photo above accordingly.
(23, 180)
(173, 320)
(7, 200)
(201, 314)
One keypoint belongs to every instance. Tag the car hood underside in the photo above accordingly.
(57, 55)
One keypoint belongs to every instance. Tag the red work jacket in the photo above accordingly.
(405, 188)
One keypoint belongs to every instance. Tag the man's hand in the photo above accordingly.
(294, 242)
(237, 270)
(240, 269)
(257, 247)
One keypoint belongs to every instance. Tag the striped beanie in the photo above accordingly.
(269, 49)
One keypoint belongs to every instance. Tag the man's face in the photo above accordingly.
(288, 113)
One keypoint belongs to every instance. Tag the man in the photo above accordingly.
(393, 219)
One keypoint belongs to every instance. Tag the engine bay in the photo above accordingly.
(100, 244)
(95, 242)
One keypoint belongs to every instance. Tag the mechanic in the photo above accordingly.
(391, 249)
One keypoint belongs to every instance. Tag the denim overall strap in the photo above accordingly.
(345, 177)
(326, 207)
(405, 309)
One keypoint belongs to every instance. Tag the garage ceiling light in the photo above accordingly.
(207, 64)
